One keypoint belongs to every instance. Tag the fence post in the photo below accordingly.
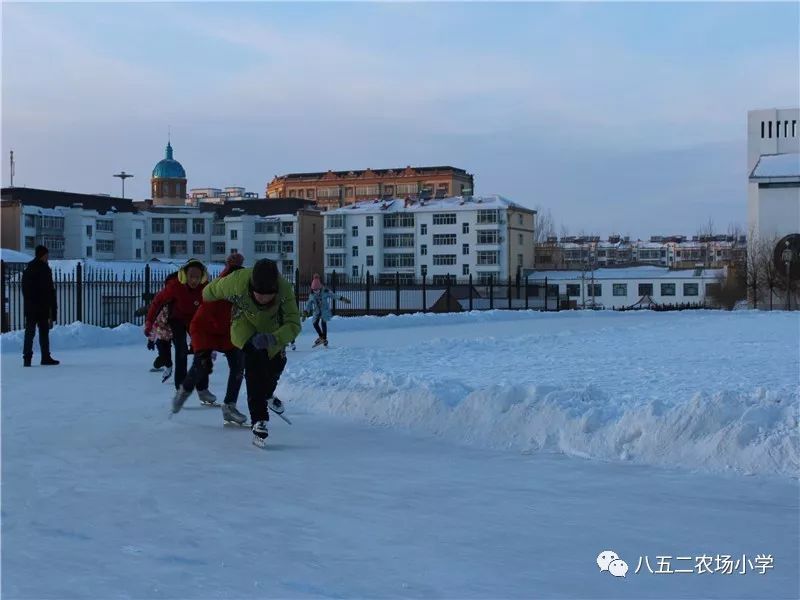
(333, 289)
(147, 290)
(297, 286)
(447, 292)
(491, 291)
(397, 290)
(546, 291)
(366, 311)
(424, 293)
(6, 317)
(526, 292)
(79, 292)
(470, 292)
(509, 293)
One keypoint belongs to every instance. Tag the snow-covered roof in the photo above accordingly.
(629, 273)
(777, 165)
(12, 256)
(456, 203)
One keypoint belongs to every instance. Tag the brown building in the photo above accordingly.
(333, 189)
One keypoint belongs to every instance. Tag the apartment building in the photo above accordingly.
(438, 239)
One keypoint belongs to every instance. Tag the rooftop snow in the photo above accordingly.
(433, 205)
(630, 273)
(777, 165)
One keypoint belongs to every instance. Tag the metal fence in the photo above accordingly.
(108, 298)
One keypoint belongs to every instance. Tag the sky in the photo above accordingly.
(615, 117)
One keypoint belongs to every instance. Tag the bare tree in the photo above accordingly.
(752, 266)
(545, 226)
(771, 277)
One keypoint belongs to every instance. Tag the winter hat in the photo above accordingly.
(234, 260)
(41, 251)
(316, 284)
(264, 279)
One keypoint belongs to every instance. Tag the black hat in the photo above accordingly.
(41, 251)
(264, 279)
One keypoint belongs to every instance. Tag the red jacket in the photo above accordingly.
(183, 300)
(211, 327)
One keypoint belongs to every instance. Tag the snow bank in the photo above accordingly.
(76, 335)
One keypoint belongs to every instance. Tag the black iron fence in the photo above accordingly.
(108, 298)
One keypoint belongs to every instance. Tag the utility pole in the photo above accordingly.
(12, 168)
(123, 176)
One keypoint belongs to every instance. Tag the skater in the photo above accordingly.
(182, 294)
(40, 307)
(264, 320)
(210, 331)
(319, 307)
(160, 339)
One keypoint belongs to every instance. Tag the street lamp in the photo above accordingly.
(786, 257)
(123, 176)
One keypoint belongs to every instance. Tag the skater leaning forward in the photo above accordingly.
(210, 331)
(183, 294)
(265, 318)
(319, 306)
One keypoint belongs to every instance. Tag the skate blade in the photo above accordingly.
(281, 415)
(236, 424)
(261, 444)
(215, 403)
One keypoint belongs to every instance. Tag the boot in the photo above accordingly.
(26, 361)
(49, 360)
(232, 416)
(276, 405)
(179, 399)
(260, 434)
(207, 397)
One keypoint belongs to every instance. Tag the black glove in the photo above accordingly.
(262, 341)
(151, 344)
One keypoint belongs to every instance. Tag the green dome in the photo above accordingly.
(169, 168)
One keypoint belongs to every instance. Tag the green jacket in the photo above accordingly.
(281, 318)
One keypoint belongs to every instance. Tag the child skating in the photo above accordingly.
(319, 306)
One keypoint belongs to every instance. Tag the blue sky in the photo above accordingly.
(617, 117)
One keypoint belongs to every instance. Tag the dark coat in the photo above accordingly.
(38, 291)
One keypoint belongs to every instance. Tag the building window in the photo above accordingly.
(157, 247)
(762, 130)
(287, 246)
(465, 269)
(260, 247)
(219, 228)
(398, 220)
(266, 227)
(355, 250)
(336, 240)
(177, 225)
(157, 226)
(310, 194)
(355, 230)
(198, 247)
(794, 128)
(234, 234)
(139, 253)
(218, 248)
(138, 234)
(234, 251)
(444, 239)
(465, 228)
(465, 249)
(370, 240)
(444, 259)
(105, 245)
(334, 221)
(488, 278)
(619, 289)
(89, 251)
(423, 229)
(198, 226)
(398, 260)
(691, 289)
(287, 228)
(786, 129)
(444, 218)
(667, 289)
(423, 250)
(301, 193)
(487, 236)
(370, 221)
(423, 269)
(594, 290)
(355, 271)
(487, 216)
(105, 225)
(30, 241)
(398, 240)
(488, 257)
(370, 260)
(30, 221)
(178, 247)
(573, 289)
(769, 129)
(645, 289)
(521, 239)
(519, 259)
(519, 220)
(335, 260)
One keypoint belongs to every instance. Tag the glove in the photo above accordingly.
(262, 341)
(151, 344)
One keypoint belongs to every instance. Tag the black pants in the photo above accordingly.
(202, 365)
(44, 337)
(164, 358)
(261, 375)
(322, 331)
(181, 351)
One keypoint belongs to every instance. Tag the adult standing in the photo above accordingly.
(39, 295)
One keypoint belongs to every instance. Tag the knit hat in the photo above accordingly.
(234, 260)
(41, 251)
(316, 284)
(264, 279)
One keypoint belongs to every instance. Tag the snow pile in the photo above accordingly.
(76, 335)
(12, 256)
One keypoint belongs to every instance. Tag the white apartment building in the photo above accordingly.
(486, 237)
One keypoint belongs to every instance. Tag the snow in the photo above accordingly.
(456, 203)
(777, 165)
(12, 256)
(630, 273)
(472, 455)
